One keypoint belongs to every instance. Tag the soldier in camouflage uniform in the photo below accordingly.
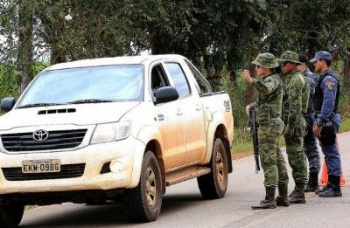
(295, 103)
(310, 140)
(269, 108)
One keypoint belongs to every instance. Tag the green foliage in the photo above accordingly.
(345, 125)
(242, 141)
(236, 91)
(8, 81)
(85, 29)
(344, 101)
(9, 85)
(227, 34)
(39, 67)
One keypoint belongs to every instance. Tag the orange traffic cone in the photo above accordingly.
(342, 180)
(324, 176)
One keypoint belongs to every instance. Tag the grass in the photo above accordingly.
(243, 142)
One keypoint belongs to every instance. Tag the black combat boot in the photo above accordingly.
(333, 189)
(282, 199)
(312, 184)
(298, 195)
(319, 190)
(328, 185)
(269, 202)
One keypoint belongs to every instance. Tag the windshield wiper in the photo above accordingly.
(39, 105)
(83, 101)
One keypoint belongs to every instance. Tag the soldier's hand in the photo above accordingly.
(247, 109)
(317, 130)
(247, 77)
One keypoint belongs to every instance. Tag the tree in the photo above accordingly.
(25, 42)
(215, 35)
(85, 28)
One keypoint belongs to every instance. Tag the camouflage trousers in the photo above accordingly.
(272, 160)
(310, 145)
(297, 158)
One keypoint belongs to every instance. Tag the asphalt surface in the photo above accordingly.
(184, 207)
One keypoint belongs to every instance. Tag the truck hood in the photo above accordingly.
(77, 114)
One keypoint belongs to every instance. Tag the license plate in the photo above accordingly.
(41, 166)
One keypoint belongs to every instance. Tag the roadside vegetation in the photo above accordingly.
(220, 37)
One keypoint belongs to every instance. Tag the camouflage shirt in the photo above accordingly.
(269, 99)
(295, 99)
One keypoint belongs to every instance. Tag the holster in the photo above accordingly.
(328, 134)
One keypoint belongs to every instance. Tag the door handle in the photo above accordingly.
(179, 113)
(161, 117)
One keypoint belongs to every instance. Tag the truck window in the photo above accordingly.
(158, 78)
(179, 79)
(202, 84)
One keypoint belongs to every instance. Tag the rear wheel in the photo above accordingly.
(143, 203)
(214, 184)
(11, 214)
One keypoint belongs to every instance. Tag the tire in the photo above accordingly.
(144, 202)
(214, 184)
(11, 214)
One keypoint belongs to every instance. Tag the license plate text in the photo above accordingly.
(41, 166)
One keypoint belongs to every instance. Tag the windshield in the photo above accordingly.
(85, 85)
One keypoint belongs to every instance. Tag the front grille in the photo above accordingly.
(57, 140)
(67, 171)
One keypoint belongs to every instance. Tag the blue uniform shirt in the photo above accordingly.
(329, 87)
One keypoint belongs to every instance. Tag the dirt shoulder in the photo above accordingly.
(240, 155)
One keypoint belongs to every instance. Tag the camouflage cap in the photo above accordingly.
(289, 56)
(266, 60)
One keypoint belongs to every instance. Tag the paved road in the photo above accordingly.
(183, 206)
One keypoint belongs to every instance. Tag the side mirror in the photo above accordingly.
(166, 94)
(7, 103)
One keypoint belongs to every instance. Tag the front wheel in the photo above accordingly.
(214, 184)
(143, 203)
(11, 214)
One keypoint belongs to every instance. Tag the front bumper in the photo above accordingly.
(113, 165)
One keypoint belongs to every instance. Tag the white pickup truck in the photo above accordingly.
(105, 129)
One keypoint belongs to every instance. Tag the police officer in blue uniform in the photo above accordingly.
(328, 120)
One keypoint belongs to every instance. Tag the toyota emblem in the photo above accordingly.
(40, 135)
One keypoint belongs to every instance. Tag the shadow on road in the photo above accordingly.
(110, 214)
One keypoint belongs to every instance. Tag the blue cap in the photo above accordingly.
(322, 55)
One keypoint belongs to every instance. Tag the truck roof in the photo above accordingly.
(142, 59)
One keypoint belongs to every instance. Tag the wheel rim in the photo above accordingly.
(220, 170)
(151, 187)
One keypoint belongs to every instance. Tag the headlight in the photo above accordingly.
(111, 132)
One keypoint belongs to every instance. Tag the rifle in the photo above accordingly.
(253, 130)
